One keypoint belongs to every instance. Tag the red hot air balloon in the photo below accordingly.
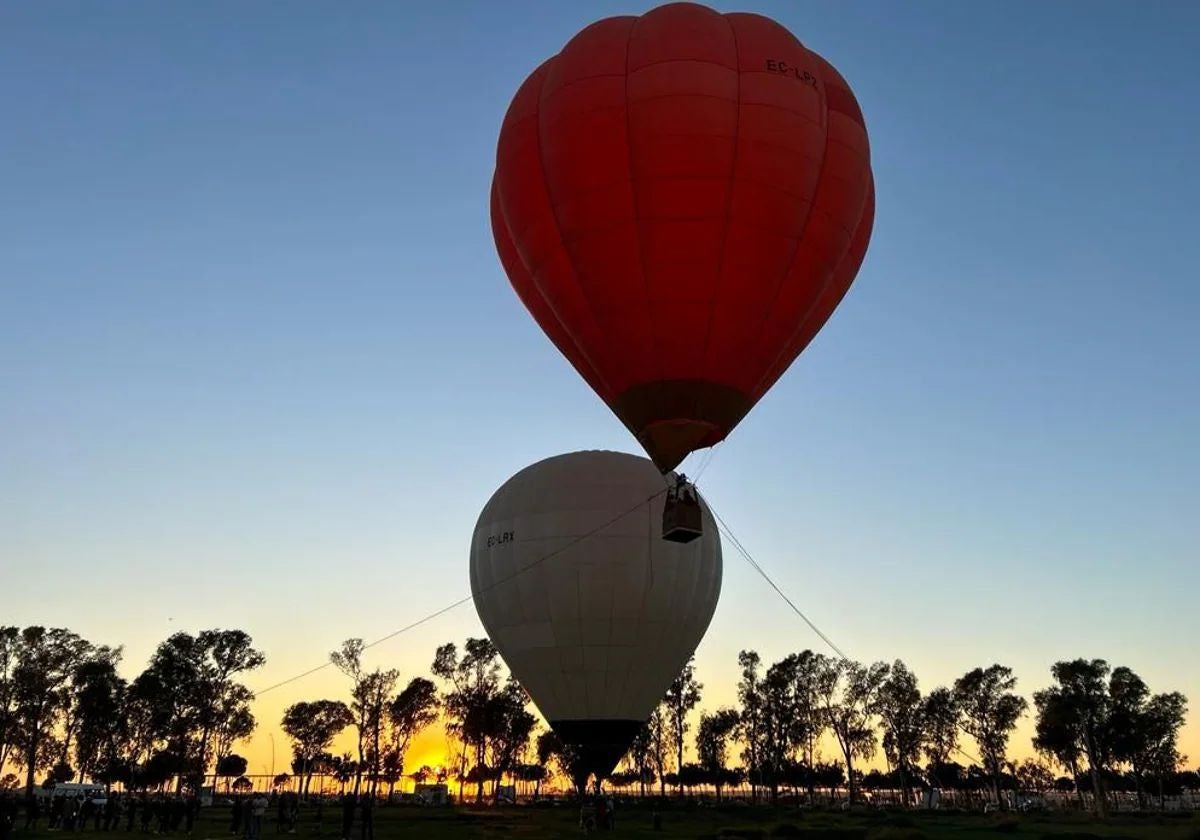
(681, 200)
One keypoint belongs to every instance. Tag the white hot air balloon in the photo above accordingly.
(591, 609)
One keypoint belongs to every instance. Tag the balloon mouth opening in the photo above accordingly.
(673, 418)
(598, 745)
(671, 441)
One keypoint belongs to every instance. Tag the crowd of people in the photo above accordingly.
(597, 813)
(167, 814)
(148, 813)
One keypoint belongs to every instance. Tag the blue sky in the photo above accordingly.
(261, 367)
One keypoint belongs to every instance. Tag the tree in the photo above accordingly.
(234, 719)
(98, 697)
(231, 766)
(847, 692)
(223, 705)
(391, 769)
(60, 774)
(187, 701)
(808, 719)
(10, 643)
(1056, 735)
(348, 660)
(789, 718)
(312, 726)
(900, 708)
(410, 711)
(1161, 721)
(990, 711)
(941, 718)
(44, 663)
(750, 731)
(531, 774)
(159, 768)
(639, 756)
(551, 750)
(369, 694)
(682, 696)
(779, 725)
(165, 700)
(474, 680)
(344, 768)
(711, 738)
(508, 726)
(1034, 776)
(660, 753)
(1082, 705)
(1144, 729)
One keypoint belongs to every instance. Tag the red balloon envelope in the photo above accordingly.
(681, 200)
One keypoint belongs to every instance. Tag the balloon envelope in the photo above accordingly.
(592, 611)
(681, 200)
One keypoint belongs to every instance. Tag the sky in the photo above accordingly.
(260, 366)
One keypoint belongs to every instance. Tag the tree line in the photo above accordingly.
(66, 713)
(1100, 726)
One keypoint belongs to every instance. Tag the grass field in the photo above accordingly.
(752, 823)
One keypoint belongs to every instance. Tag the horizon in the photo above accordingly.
(263, 367)
(433, 747)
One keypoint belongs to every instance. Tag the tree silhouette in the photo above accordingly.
(312, 726)
(98, 698)
(474, 680)
(711, 741)
(847, 692)
(508, 726)
(1034, 776)
(410, 711)
(808, 721)
(940, 715)
(10, 642)
(67, 713)
(223, 705)
(370, 691)
(231, 766)
(640, 758)
(682, 696)
(750, 725)
(1143, 730)
(1159, 727)
(780, 722)
(902, 713)
(551, 750)
(44, 663)
(1080, 706)
(990, 711)
(187, 702)
(659, 739)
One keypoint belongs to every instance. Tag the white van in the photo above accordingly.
(70, 790)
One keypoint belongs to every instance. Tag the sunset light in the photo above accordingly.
(536, 418)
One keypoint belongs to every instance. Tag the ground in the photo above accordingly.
(752, 823)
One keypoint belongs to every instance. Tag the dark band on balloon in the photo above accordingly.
(598, 744)
(675, 417)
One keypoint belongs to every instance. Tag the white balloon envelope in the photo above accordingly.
(591, 609)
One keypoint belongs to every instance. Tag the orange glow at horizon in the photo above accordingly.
(433, 748)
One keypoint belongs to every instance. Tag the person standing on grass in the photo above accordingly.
(258, 810)
(235, 815)
(348, 806)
